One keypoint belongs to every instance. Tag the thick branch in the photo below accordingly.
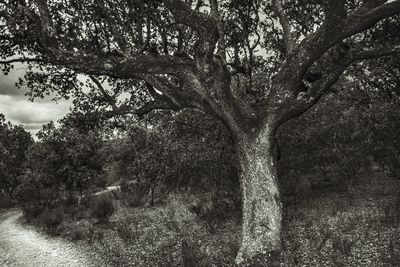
(374, 52)
(331, 73)
(335, 13)
(45, 18)
(113, 66)
(204, 25)
(161, 102)
(287, 34)
(313, 47)
(178, 96)
(221, 31)
(196, 20)
(119, 38)
(152, 91)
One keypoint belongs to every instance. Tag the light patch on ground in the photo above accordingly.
(24, 246)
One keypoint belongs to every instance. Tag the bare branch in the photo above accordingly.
(103, 91)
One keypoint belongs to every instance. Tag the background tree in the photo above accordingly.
(173, 152)
(188, 54)
(64, 161)
(14, 142)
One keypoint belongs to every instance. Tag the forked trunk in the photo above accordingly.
(261, 207)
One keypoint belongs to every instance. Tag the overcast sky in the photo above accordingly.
(19, 110)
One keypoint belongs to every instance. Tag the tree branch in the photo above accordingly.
(374, 52)
(20, 60)
(103, 91)
(114, 66)
(119, 38)
(221, 31)
(287, 34)
(161, 102)
(313, 47)
(331, 73)
(335, 13)
(204, 25)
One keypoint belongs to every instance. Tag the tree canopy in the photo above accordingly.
(182, 49)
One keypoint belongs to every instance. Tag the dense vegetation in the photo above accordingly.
(14, 142)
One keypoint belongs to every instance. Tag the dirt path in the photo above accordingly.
(22, 245)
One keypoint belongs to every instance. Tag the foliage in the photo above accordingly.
(51, 219)
(5, 202)
(340, 145)
(65, 161)
(133, 193)
(102, 208)
(14, 142)
(182, 151)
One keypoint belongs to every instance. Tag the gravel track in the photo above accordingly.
(22, 245)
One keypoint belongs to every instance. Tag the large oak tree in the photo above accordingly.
(253, 65)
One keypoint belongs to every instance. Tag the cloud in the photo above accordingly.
(32, 114)
(7, 83)
(19, 110)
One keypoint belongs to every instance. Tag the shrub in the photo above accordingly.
(133, 192)
(51, 219)
(125, 231)
(103, 208)
(191, 255)
(5, 202)
(31, 211)
(76, 233)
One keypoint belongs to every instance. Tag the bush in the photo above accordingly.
(103, 208)
(191, 255)
(133, 193)
(5, 202)
(125, 231)
(51, 219)
(76, 233)
(32, 211)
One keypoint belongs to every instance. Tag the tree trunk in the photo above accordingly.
(261, 205)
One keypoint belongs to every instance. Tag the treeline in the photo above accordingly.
(149, 160)
(14, 142)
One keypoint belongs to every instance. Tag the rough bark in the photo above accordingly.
(261, 205)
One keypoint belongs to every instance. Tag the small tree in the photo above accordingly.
(64, 160)
(14, 142)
